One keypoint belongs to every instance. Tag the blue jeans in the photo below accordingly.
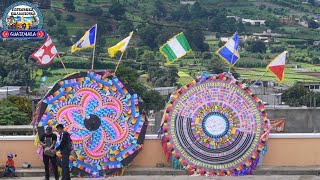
(9, 170)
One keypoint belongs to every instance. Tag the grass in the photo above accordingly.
(291, 75)
(184, 78)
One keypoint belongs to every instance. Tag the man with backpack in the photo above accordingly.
(65, 147)
(48, 141)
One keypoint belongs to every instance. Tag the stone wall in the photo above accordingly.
(297, 120)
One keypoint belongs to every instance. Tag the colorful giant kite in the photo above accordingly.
(215, 126)
(103, 116)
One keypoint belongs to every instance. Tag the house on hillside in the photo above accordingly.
(253, 22)
(312, 86)
(187, 2)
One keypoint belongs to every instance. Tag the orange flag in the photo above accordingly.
(277, 66)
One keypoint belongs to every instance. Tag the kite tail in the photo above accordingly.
(176, 163)
(248, 170)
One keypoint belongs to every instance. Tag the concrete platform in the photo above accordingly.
(140, 171)
(273, 177)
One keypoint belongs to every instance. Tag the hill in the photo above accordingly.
(279, 25)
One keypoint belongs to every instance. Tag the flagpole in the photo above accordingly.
(233, 54)
(118, 63)
(258, 79)
(94, 48)
(62, 63)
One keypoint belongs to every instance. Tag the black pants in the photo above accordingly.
(53, 160)
(65, 165)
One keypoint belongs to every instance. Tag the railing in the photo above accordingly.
(17, 129)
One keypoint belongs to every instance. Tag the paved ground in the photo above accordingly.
(197, 178)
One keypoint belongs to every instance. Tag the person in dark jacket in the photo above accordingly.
(65, 147)
(48, 141)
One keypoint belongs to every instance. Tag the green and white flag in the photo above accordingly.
(175, 48)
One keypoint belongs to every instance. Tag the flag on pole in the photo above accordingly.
(175, 48)
(277, 66)
(87, 41)
(46, 53)
(229, 52)
(121, 46)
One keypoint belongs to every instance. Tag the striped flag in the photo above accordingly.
(229, 52)
(277, 66)
(121, 46)
(87, 41)
(175, 48)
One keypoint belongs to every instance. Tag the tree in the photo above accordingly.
(197, 11)
(44, 4)
(57, 13)
(14, 72)
(312, 2)
(70, 18)
(125, 28)
(151, 100)
(256, 47)
(196, 38)
(273, 23)
(51, 22)
(313, 24)
(182, 13)
(69, 5)
(295, 95)
(148, 35)
(117, 10)
(216, 65)
(160, 9)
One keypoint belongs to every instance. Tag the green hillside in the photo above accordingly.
(155, 21)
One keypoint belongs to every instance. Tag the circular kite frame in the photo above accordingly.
(170, 141)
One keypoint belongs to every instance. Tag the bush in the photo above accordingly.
(15, 110)
(94, 11)
(70, 18)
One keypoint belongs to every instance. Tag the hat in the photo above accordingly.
(10, 155)
(49, 128)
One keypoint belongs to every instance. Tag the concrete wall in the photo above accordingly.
(297, 120)
(283, 150)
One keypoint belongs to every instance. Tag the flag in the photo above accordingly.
(277, 66)
(87, 41)
(175, 48)
(121, 46)
(46, 53)
(229, 52)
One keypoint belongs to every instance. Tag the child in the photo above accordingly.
(10, 168)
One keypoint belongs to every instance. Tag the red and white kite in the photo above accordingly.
(277, 66)
(46, 53)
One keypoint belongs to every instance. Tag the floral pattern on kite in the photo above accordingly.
(103, 117)
(215, 126)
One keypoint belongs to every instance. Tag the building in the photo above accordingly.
(253, 22)
(13, 91)
(165, 92)
(312, 86)
(187, 2)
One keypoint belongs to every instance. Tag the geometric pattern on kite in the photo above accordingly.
(215, 126)
(103, 117)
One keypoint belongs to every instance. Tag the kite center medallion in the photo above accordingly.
(92, 122)
(215, 125)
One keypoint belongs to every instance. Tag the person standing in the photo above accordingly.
(48, 141)
(65, 147)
